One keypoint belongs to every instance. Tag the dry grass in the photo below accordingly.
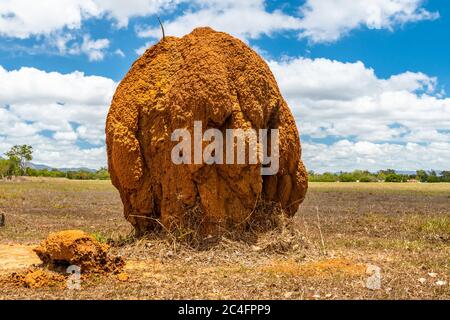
(321, 254)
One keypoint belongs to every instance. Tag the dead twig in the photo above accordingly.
(162, 28)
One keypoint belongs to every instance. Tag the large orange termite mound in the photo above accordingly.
(214, 78)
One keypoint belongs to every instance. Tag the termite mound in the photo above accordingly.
(77, 248)
(216, 79)
(63, 253)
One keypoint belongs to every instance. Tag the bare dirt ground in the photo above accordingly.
(341, 232)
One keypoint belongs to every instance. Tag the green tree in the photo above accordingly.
(346, 177)
(363, 176)
(422, 175)
(21, 155)
(393, 177)
(4, 168)
(432, 177)
(9, 168)
(445, 176)
(102, 174)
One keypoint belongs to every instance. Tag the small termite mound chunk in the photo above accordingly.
(217, 81)
(76, 247)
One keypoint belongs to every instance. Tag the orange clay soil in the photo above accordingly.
(214, 78)
(36, 278)
(75, 247)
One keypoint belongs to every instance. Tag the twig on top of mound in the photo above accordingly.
(162, 28)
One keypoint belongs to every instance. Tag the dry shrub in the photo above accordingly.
(267, 226)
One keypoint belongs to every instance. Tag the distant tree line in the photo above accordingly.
(382, 175)
(19, 156)
(101, 174)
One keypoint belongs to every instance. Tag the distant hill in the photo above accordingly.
(38, 166)
(414, 172)
(43, 167)
(405, 172)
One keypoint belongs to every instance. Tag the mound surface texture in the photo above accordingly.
(214, 78)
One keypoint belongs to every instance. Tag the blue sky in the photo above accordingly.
(367, 81)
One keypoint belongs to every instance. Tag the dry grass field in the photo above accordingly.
(341, 232)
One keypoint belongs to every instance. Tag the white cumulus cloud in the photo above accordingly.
(346, 155)
(316, 20)
(59, 21)
(245, 19)
(373, 119)
(61, 115)
(328, 20)
(25, 18)
(94, 49)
